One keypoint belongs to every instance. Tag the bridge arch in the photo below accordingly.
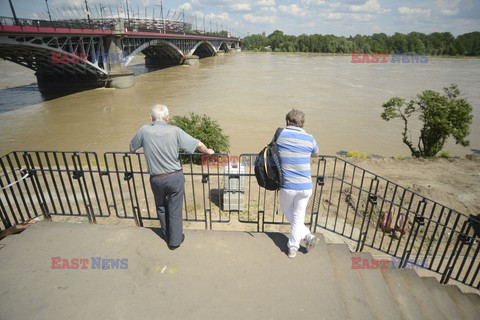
(203, 49)
(224, 47)
(158, 52)
(37, 56)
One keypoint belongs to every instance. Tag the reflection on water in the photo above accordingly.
(248, 94)
(19, 97)
(24, 96)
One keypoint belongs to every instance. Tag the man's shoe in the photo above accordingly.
(311, 241)
(176, 247)
(292, 253)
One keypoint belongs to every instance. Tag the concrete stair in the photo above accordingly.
(381, 293)
(214, 275)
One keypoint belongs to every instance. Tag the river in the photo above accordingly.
(247, 93)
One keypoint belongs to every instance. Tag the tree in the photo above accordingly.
(442, 116)
(276, 40)
(203, 128)
(435, 43)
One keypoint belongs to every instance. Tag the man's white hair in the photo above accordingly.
(159, 112)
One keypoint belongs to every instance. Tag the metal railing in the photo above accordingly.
(350, 201)
(136, 25)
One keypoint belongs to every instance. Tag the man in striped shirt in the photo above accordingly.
(295, 147)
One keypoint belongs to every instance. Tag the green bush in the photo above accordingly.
(203, 128)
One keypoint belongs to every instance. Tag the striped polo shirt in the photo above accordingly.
(295, 147)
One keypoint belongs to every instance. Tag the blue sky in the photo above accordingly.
(345, 17)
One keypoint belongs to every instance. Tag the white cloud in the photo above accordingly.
(219, 17)
(199, 14)
(269, 9)
(349, 16)
(335, 15)
(371, 6)
(448, 7)
(362, 17)
(185, 6)
(265, 3)
(241, 7)
(293, 10)
(259, 19)
(314, 2)
(414, 11)
(64, 2)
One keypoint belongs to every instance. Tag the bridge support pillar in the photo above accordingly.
(119, 76)
(191, 60)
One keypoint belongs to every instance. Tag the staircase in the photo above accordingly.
(214, 275)
(381, 293)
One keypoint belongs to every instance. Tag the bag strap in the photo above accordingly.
(277, 134)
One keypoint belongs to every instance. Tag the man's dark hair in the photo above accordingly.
(295, 118)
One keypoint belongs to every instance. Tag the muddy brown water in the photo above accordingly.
(247, 93)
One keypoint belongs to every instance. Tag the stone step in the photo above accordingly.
(349, 282)
(328, 293)
(442, 299)
(377, 292)
(422, 295)
(406, 301)
(475, 298)
(464, 304)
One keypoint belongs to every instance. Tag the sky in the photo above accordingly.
(244, 17)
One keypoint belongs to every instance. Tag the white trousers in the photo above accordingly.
(294, 204)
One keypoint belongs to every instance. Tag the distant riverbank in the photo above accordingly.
(349, 54)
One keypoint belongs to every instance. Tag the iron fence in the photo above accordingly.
(350, 201)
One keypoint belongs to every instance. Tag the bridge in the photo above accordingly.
(97, 54)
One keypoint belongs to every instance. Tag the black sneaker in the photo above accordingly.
(176, 247)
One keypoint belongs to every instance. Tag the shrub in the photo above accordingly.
(444, 154)
(203, 128)
(356, 154)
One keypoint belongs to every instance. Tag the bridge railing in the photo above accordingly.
(69, 24)
(135, 25)
(221, 193)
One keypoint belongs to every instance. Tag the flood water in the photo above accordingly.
(247, 93)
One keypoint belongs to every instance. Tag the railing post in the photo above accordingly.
(260, 221)
(320, 182)
(462, 239)
(418, 222)
(32, 174)
(372, 201)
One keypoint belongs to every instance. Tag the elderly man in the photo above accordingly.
(295, 147)
(161, 143)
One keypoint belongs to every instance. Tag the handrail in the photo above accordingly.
(347, 200)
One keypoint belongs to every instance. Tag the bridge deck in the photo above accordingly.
(214, 275)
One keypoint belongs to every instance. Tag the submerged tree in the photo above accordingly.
(442, 116)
